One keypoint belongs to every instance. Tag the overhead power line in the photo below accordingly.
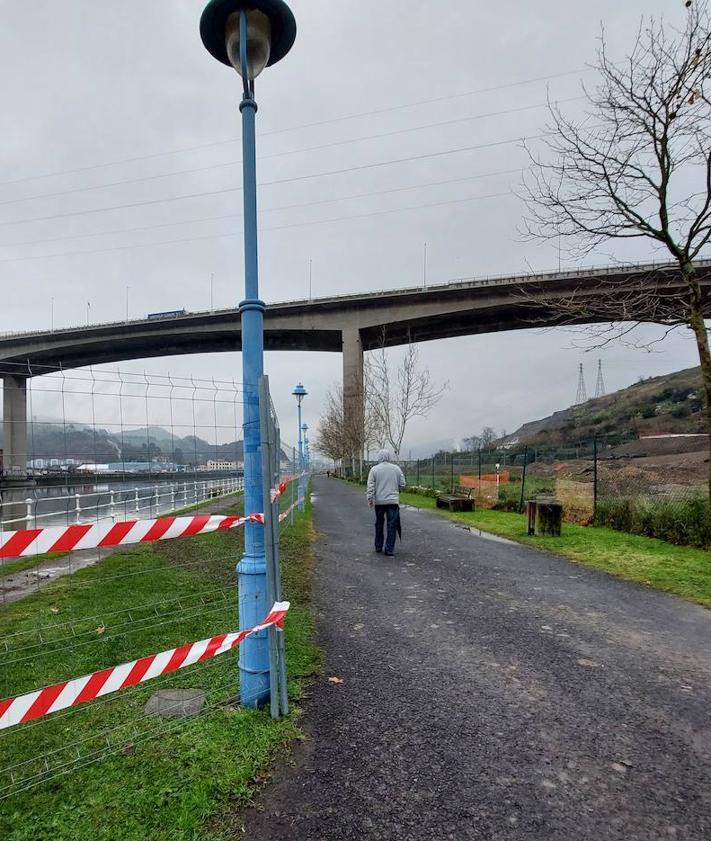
(359, 168)
(319, 147)
(328, 121)
(297, 205)
(273, 228)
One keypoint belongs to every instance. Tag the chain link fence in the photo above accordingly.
(655, 486)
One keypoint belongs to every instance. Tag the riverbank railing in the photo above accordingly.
(114, 503)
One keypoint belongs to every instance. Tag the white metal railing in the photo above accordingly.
(115, 503)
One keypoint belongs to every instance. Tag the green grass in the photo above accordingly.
(680, 570)
(30, 562)
(155, 781)
(22, 564)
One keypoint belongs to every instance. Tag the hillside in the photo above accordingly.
(53, 439)
(672, 403)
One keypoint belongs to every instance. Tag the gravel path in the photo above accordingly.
(491, 691)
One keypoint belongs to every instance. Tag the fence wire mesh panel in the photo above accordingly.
(109, 443)
(653, 485)
(87, 612)
(271, 485)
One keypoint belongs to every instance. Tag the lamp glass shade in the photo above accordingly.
(259, 41)
(299, 392)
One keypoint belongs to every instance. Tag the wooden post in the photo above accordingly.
(549, 515)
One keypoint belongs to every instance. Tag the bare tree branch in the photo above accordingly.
(395, 398)
(637, 166)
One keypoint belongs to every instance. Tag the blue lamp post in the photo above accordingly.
(307, 455)
(250, 35)
(300, 392)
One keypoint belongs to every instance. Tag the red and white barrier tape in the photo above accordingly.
(71, 693)
(18, 544)
(284, 514)
(284, 484)
(107, 534)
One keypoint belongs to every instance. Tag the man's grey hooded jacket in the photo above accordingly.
(385, 481)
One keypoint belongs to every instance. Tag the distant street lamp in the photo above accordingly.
(250, 35)
(300, 392)
(307, 455)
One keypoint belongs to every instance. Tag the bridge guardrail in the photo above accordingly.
(454, 283)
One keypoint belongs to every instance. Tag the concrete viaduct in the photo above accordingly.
(347, 324)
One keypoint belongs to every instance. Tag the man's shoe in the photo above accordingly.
(379, 550)
(390, 554)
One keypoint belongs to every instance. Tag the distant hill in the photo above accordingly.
(672, 403)
(54, 439)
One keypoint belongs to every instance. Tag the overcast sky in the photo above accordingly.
(118, 104)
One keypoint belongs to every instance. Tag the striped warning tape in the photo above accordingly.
(71, 693)
(107, 534)
(18, 544)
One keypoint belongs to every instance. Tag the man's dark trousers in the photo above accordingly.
(383, 513)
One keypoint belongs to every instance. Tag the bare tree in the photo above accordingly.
(393, 398)
(637, 167)
(341, 437)
(473, 442)
(330, 437)
(487, 437)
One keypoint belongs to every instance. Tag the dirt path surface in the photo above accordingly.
(18, 585)
(491, 691)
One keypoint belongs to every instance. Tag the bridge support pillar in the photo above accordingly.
(14, 425)
(353, 396)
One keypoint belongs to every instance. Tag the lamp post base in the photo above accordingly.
(254, 683)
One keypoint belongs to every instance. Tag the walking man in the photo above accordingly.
(385, 482)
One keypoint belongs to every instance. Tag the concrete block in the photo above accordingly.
(176, 703)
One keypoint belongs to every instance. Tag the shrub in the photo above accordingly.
(684, 522)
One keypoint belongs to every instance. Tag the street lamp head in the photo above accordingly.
(271, 31)
(299, 392)
(305, 427)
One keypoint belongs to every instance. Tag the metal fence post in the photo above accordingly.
(293, 502)
(523, 479)
(594, 477)
(433, 469)
(266, 444)
(281, 662)
(270, 480)
(451, 474)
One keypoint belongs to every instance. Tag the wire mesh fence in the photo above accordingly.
(654, 485)
(127, 604)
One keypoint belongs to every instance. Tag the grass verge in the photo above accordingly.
(32, 561)
(22, 564)
(680, 570)
(129, 776)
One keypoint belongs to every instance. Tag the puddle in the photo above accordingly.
(488, 536)
(17, 585)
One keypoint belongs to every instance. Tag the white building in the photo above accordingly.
(221, 464)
